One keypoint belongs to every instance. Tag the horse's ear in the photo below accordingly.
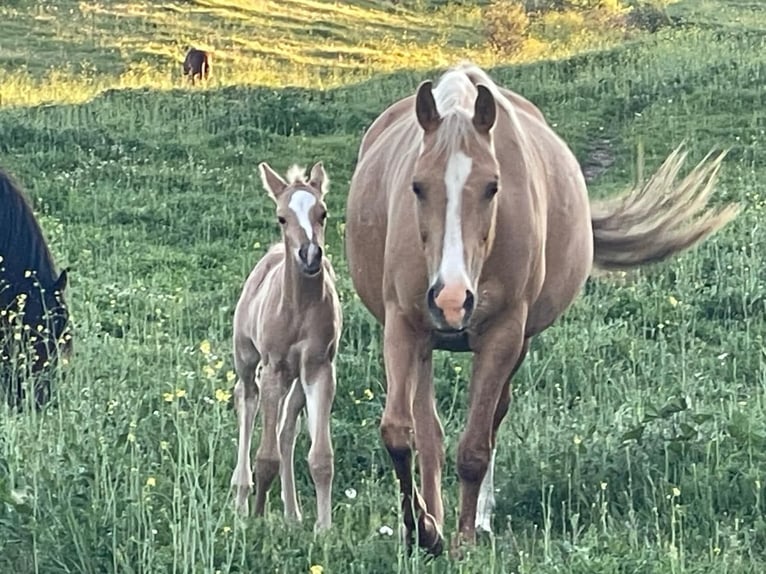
(61, 282)
(272, 181)
(318, 178)
(485, 110)
(425, 107)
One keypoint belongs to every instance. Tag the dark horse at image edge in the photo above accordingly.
(34, 317)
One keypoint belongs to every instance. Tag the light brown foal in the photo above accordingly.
(287, 325)
(468, 228)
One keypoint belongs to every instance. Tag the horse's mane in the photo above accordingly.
(22, 243)
(455, 94)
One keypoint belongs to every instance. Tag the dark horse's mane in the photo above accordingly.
(22, 243)
(34, 314)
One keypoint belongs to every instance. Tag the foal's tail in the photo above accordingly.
(659, 219)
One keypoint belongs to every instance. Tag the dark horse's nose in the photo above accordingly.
(311, 256)
(450, 305)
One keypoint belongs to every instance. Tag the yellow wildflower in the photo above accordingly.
(673, 301)
(208, 371)
(204, 346)
(222, 396)
(168, 397)
(151, 481)
(316, 569)
(368, 394)
(230, 376)
(180, 393)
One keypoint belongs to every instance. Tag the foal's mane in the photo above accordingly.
(22, 243)
(297, 174)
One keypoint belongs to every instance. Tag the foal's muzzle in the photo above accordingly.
(310, 255)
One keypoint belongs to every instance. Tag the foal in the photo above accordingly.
(287, 323)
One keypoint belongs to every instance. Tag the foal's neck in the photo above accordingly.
(299, 290)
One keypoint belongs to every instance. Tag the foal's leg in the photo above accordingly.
(246, 406)
(404, 351)
(493, 363)
(289, 419)
(273, 389)
(486, 503)
(319, 388)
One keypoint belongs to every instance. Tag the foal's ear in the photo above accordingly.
(484, 110)
(318, 178)
(425, 107)
(61, 282)
(272, 181)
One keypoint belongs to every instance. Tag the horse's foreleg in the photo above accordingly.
(403, 351)
(288, 421)
(486, 502)
(494, 361)
(246, 406)
(319, 388)
(429, 441)
(273, 389)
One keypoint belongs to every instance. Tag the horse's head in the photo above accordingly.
(301, 212)
(46, 315)
(455, 182)
(35, 332)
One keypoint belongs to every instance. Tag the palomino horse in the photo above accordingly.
(288, 322)
(469, 229)
(33, 313)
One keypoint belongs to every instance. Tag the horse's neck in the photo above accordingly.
(299, 291)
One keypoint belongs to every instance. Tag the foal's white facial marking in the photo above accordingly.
(301, 203)
(452, 267)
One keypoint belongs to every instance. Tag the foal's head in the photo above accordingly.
(301, 212)
(455, 182)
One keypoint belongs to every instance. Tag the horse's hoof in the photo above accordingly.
(460, 544)
(430, 537)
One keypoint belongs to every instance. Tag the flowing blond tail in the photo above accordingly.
(660, 218)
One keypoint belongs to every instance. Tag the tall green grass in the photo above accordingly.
(636, 439)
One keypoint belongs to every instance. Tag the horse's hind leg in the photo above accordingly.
(319, 388)
(289, 419)
(246, 406)
(273, 389)
(486, 503)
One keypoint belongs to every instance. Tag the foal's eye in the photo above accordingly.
(281, 220)
(322, 217)
(491, 190)
(417, 190)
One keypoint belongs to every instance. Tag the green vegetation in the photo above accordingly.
(637, 437)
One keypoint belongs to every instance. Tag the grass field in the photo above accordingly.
(637, 438)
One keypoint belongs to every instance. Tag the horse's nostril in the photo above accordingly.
(468, 304)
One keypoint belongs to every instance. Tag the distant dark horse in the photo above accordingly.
(33, 313)
(197, 64)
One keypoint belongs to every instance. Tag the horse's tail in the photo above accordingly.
(660, 218)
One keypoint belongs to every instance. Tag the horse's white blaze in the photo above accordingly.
(301, 203)
(452, 267)
(313, 404)
(486, 503)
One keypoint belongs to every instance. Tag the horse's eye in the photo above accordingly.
(491, 190)
(323, 216)
(417, 190)
(281, 220)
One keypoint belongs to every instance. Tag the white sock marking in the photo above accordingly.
(486, 503)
